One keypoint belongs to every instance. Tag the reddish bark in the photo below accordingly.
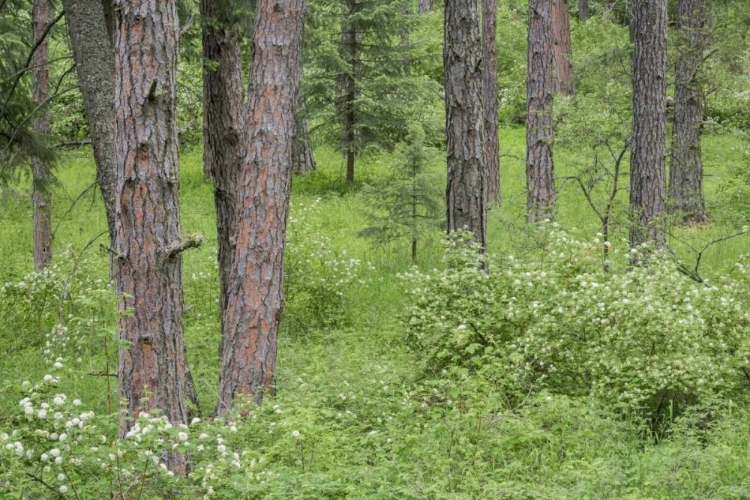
(255, 301)
(564, 74)
(489, 81)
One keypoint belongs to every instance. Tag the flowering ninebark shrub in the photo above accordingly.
(643, 338)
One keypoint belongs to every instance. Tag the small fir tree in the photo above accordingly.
(407, 205)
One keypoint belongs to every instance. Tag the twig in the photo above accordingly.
(71, 207)
(110, 250)
(69, 144)
(194, 241)
(42, 482)
(102, 374)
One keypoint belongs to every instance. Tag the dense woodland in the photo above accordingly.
(458, 249)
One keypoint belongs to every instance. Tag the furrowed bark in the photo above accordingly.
(255, 302)
(564, 74)
(350, 45)
(540, 86)
(466, 191)
(303, 160)
(489, 79)
(647, 159)
(152, 370)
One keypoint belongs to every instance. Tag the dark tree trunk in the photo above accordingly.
(647, 159)
(152, 370)
(351, 50)
(489, 79)
(40, 169)
(303, 160)
(466, 192)
(223, 99)
(255, 302)
(95, 63)
(425, 6)
(686, 170)
(564, 74)
(583, 10)
(540, 87)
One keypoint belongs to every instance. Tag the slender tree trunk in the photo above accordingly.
(303, 160)
(40, 169)
(255, 302)
(583, 10)
(489, 80)
(564, 74)
(95, 63)
(540, 86)
(686, 170)
(466, 192)
(647, 159)
(350, 41)
(425, 6)
(153, 371)
(223, 105)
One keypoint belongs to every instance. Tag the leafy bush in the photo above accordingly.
(645, 338)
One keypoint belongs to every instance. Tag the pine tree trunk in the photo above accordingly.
(540, 86)
(255, 301)
(564, 74)
(40, 169)
(686, 170)
(95, 63)
(583, 10)
(489, 79)
(425, 6)
(303, 160)
(647, 158)
(466, 193)
(223, 105)
(350, 44)
(152, 370)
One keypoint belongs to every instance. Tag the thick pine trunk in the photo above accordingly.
(647, 158)
(223, 105)
(540, 87)
(255, 301)
(351, 49)
(95, 63)
(303, 160)
(583, 10)
(686, 170)
(489, 79)
(152, 370)
(466, 192)
(40, 169)
(425, 6)
(564, 74)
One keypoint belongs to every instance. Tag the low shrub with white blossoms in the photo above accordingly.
(643, 338)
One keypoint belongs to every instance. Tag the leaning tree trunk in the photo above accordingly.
(152, 369)
(489, 80)
(40, 168)
(255, 302)
(686, 170)
(95, 63)
(351, 49)
(424, 6)
(223, 105)
(540, 86)
(583, 10)
(564, 74)
(466, 192)
(647, 158)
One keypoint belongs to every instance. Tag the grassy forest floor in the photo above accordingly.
(370, 426)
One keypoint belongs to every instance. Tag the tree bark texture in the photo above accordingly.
(303, 160)
(352, 53)
(424, 6)
(223, 106)
(540, 86)
(40, 169)
(255, 302)
(583, 10)
(153, 370)
(489, 80)
(686, 169)
(564, 74)
(647, 158)
(466, 191)
(95, 63)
